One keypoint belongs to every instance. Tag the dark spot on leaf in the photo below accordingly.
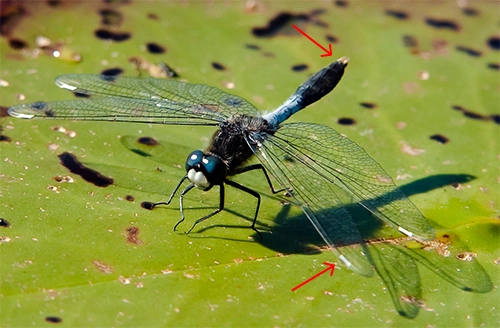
(132, 234)
(410, 41)
(148, 141)
(4, 223)
(153, 16)
(111, 74)
(368, 105)
(268, 54)
(11, 13)
(496, 118)
(397, 14)
(469, 51)
(494, 42)
(455, 185)
(442, 24)
(440, 138)
(168, 70)
(495, 66)
(104, 34)
(331, 38)
(129, 198)
(155, 48)
(299, 67)
(5, 138)
(148, 205)
(70, 162)
(318, 11)
(341, 3)
(17, 44)
(252, 46)
(218, 66)
(320, 23)
(475, 116)
(81, 95)
(470, 11)
(53, 319)
(346, 121)
(53, 3)
(458, 107)
(110, 17)
(281, 24)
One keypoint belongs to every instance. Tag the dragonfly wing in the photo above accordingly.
(119, 109)
(318, 198)
(148, 100)
(340, 161)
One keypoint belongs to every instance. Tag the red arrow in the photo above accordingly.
(328, 52)
(331, 267)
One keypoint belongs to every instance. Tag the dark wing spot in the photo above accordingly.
(4, 223)
(467, 11)
(346, 121)
(469, 51)
(397, 14)
(110, 17)
(53, 319)
(148, 205)
(155, 48)
(233, 102)
(70, 162)
(495, 66)
(17, 44)
(288, 158)
(104, 34)
(148, 141)
(299, 67)
(440, 138)
(113, 72)
(368, 105)
(39, 105)
(218, 66)
(252, 46)
(442, 24)
(331, 38)
(494, 42)
(281, 24)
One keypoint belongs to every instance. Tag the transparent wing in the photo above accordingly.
(322, 166)
(326, 154)
(132, 99)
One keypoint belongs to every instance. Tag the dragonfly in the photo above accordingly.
(320, 169)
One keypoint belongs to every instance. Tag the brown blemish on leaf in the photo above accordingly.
(110, 17)
(53, 319)
(104, 34)
(148, 141)
(112, 71)
(218, 66)
(368, 105)
(346, 121)
(331, 38)
(299, 67)
(467, 11)
(101, 266)
(440, 138)
(494, 66)
(281, 24)
(129, 198)
(132, 234)
(494, 42)
(469, 51)
(18, 44)
(155, 48)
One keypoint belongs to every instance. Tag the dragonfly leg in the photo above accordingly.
(171, 195)
(253, 193)
(220, 208)
(185, 191)
(258, 167)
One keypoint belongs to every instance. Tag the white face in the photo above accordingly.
(199, 179)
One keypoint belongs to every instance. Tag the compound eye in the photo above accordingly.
(193, 159)
(215, 169)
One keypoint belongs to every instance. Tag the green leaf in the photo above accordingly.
(86, 255)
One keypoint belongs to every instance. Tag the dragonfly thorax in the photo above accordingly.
(204, 170)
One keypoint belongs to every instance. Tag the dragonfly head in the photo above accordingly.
(205, 170)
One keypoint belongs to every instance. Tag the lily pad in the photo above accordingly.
(420, 95)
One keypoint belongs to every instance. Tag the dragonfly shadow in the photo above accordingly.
(296, 235)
